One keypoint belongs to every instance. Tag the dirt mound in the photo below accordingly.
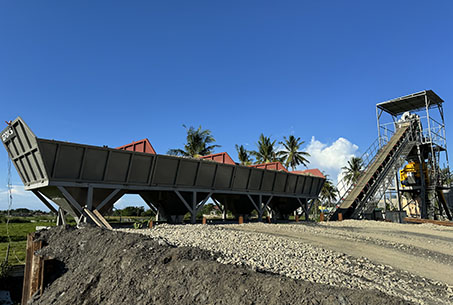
(107, 267)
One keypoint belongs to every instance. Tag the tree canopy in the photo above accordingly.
(292, 155)
(198, 143)
(243, 155)
(353, 170)
(329, 192)
(266, 152)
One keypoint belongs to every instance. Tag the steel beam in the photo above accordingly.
(71, 199)
(136, 188)
(108, 198)
(89, 202)
(61, 220)
(193, 218)
(45, 201)
(184, 201)
(150, 204)
(72, 203)
(204, 201)
(258, 209)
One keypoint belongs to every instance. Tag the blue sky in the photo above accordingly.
(110, 72)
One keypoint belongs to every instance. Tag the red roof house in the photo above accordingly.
(312, 172)
(222, 157)
(141, 146)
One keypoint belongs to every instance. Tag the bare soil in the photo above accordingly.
(111, 267)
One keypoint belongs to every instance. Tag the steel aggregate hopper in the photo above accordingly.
(85, 181)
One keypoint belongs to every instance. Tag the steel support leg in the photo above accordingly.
(61, 220)
(193, 218)
(398, 195)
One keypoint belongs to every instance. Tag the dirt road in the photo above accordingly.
(425, 250)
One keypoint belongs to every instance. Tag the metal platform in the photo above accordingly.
(80, 177)
(412, 102)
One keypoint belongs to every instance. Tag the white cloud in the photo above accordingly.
(16, 190)
(330, 158)
(21, 199)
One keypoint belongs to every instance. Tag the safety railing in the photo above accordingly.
(344, 187)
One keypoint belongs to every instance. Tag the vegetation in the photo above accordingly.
(329, 192)
(24, 221)
(5, 267)
(18, 232)
(353, 170)
(243, 155)
(266, 152)
(292, 155)
(199, 143)
(133, 211)
(447, 176)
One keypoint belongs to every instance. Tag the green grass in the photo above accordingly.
(18, 234)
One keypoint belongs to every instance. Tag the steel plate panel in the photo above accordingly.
(268, 181)
(186, 173)
(241, 178)
(291, 184)
(48, 152)
(68, 162)
(118, 166)
(223, 176)
(300, 184)
(206, 174)
(140, 168)
(255, 179)
(280, 182)
(307, 185)
(21, 168)
(165, 171)
(94, 164)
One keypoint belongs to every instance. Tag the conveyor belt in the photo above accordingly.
(376, 172)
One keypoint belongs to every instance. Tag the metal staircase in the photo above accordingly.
(381, 162)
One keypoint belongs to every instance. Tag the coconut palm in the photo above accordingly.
(446, 175)
(199, 143)
(291, 154)
(243, 155)
(266, 151)
(329, 192)
(353, 170)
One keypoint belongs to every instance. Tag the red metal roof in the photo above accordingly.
(276, 166)
(141, 146)
(312, 172)
(222, 157)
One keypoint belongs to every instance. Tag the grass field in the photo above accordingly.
(18, 234)
(22, 226)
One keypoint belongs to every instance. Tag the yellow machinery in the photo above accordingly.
(410, 174)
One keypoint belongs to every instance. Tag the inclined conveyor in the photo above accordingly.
(354, 201)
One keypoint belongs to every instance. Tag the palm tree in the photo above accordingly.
(292, 155)
(243, 155)
(446, 176)
(266, 151)
(329, 192)
(198, 143)
(353, 170)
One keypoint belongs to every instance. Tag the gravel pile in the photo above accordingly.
(110, 267)
(299, 260)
